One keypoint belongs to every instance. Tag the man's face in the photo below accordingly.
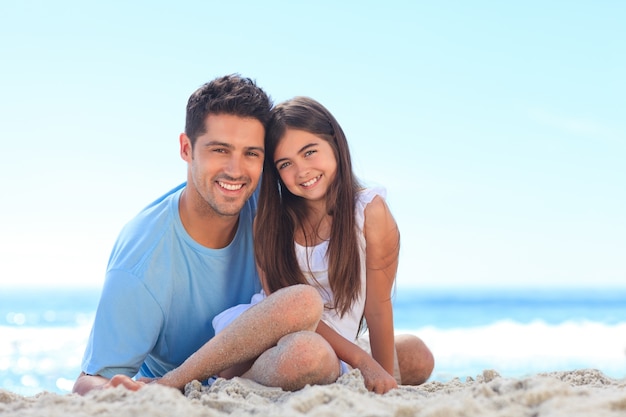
(225, 164)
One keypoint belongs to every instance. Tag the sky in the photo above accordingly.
(497, 128)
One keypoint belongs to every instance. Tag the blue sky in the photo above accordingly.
(498, 128)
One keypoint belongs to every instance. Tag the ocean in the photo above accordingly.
(516, 332)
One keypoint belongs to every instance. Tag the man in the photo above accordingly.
(188, 256)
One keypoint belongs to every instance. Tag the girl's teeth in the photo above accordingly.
(310, 182)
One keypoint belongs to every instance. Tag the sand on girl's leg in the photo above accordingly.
(299, 359)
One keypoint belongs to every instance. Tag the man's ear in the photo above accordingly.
(185, 147)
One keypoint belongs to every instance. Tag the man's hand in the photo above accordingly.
(85, 383)
(125, 381)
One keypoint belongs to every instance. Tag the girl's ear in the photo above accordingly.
(185, 147)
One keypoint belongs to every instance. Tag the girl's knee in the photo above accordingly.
(415, 359)
(311, 359)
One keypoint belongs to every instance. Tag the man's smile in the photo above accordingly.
(230, 187)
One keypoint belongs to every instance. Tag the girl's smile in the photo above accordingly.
(311, 182)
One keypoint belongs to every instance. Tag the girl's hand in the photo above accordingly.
(375, 377)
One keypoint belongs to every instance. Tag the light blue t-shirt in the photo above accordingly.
(162, 290)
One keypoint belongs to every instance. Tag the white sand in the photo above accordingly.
(575, 393)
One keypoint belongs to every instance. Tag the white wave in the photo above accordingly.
(515, 349)
(33, 359)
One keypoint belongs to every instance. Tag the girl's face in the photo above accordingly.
(306, 163)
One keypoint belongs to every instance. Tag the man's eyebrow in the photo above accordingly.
(256, 148)
(231, 146)
(218, 143)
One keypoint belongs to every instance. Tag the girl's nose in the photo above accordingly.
(303, 171)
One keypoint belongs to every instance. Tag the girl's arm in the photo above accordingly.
(382, 248)
(375, 377)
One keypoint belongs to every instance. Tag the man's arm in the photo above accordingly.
(112, 324)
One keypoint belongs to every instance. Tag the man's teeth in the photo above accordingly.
(310, 182)
(231, 187)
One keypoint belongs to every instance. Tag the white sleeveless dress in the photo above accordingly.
(314, 264)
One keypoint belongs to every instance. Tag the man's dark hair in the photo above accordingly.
(230, 94)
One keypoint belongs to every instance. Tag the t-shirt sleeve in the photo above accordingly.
(126, 327)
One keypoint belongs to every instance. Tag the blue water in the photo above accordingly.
(47, 307)
(515, 331)
(445, 308)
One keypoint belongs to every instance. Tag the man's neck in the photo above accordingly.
(208, 229)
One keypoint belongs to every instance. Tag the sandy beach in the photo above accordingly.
(572, 393)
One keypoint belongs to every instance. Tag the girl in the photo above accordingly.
(317, 225)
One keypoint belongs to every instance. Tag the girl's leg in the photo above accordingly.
(415, 360)
(297, 360)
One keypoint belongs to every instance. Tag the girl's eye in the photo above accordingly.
(283, 165)
(309, 153)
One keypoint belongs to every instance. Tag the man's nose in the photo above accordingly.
(234, 166)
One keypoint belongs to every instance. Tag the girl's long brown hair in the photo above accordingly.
(280, 212)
